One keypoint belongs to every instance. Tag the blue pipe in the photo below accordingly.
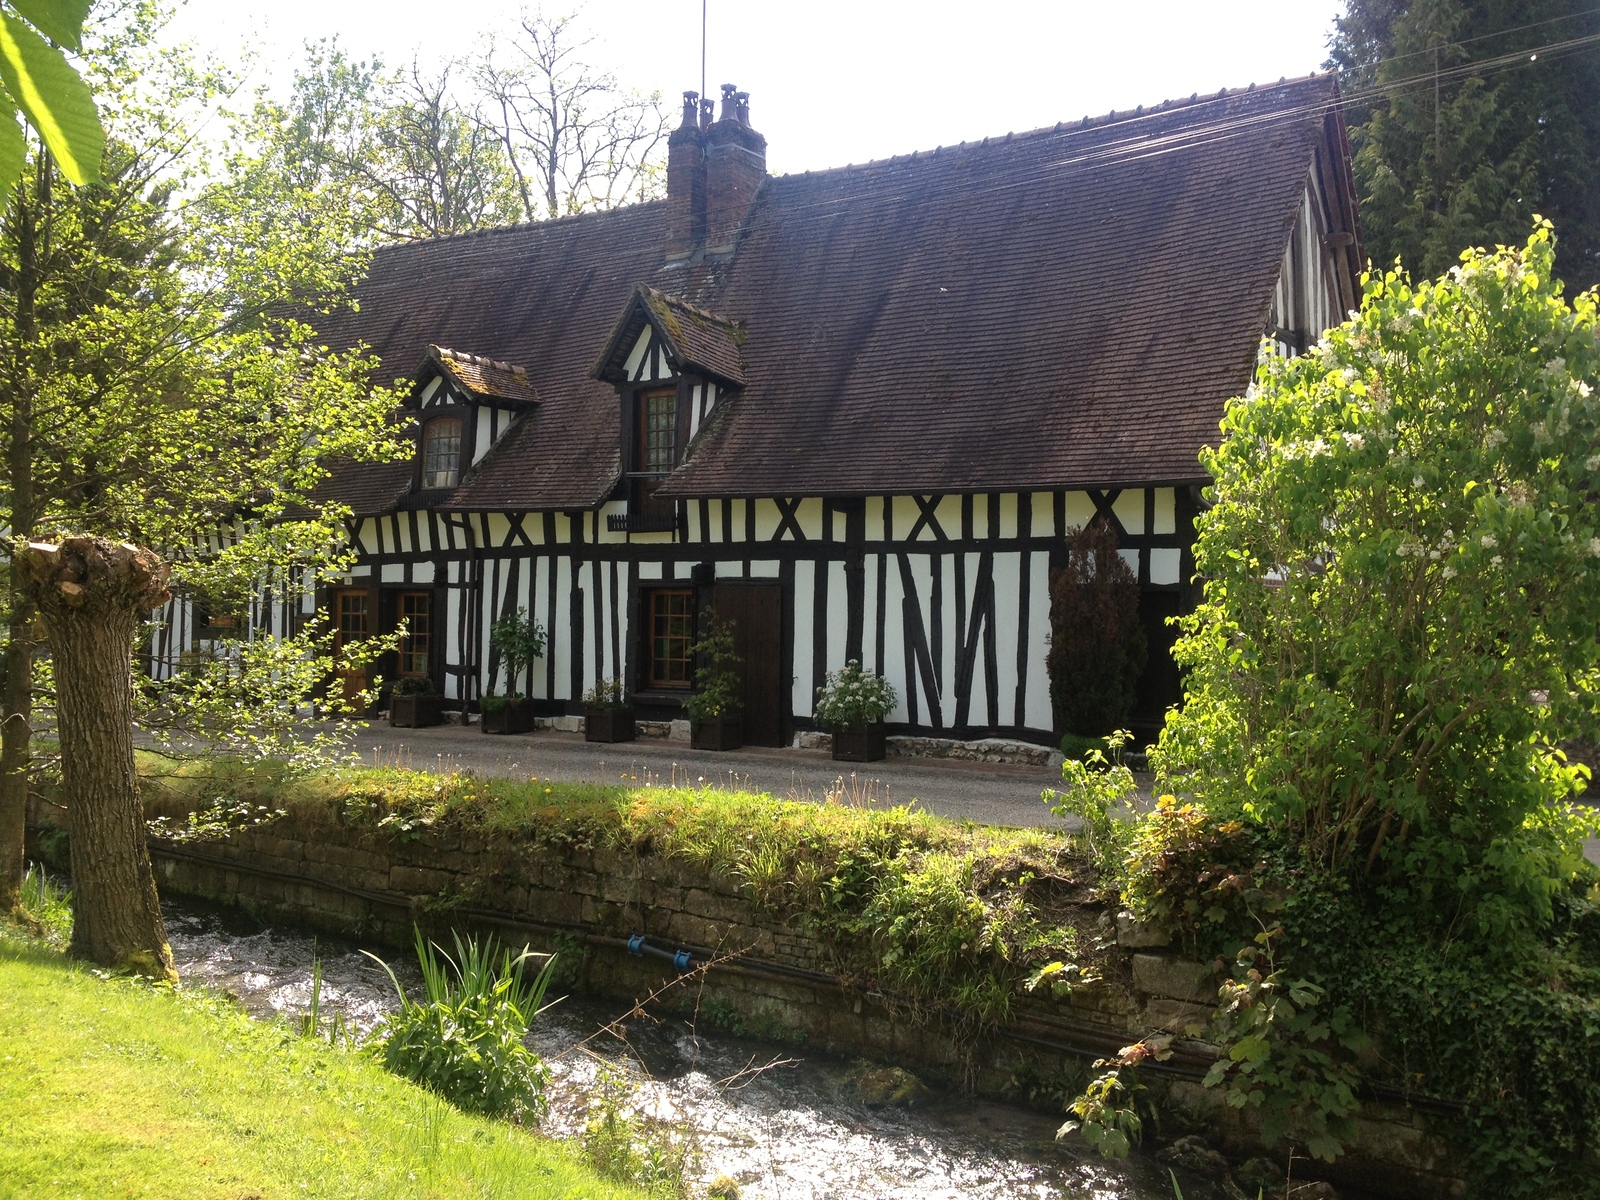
(680, 959)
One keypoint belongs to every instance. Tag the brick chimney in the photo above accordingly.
(686, 183)
(735, 166)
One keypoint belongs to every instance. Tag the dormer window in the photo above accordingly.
(441, 452)
(658, 431)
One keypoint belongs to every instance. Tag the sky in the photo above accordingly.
(835, 81)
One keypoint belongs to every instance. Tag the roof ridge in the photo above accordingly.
(490, 231)
(679, 302)
(477, 360)
(1165, 107)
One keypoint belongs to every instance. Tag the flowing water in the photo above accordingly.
(791, 1131)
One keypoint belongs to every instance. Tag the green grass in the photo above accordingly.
(111, 1089)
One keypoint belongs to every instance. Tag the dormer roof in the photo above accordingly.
(479, 376)
(697, 342)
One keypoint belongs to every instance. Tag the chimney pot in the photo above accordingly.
(691, 109)
(741, 107)
(729, 103)
(708, 113)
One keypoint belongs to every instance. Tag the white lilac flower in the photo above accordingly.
(1448, 572)
(1592, 463)
(1582, 388)
(1354, 440)
(1350, 374)
(1418, 481)
(1496, 561)
(1495, 437)
(1556, 367)
(1488, 541)
(1594, 546)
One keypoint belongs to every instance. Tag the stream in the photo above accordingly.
(792, 1131)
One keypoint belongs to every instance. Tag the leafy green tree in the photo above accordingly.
(155, 384)
(379, 155)
(1467, 119)
(1402, 566)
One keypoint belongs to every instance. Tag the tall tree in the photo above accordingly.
(384, 156)
(1470, 116)
(576, 138)
(154, 385)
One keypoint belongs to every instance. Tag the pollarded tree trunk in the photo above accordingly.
(92, 593)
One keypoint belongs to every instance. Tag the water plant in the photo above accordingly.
(627, 1145)
(464, 1039)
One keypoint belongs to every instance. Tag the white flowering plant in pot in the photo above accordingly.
(853, 699)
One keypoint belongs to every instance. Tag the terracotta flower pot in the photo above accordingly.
(716, 733)
(414, 712)
(608, 725)
(859, 745)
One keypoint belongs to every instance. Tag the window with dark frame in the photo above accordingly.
(658, 431)
(416, 646)
(351, 617)
(441, 452)
(671, 625)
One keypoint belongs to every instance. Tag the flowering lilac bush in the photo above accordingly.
(1402, 568)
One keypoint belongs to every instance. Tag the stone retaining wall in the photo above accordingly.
(769, 978)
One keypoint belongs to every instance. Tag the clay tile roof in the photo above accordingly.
(486, 376)
(699, 340)
(1065, 308)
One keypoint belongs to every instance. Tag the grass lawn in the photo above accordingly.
(111, 1088)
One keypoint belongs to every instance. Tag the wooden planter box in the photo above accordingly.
(859, 745)
(414, 712)
(608, 725)
(716, 733)
(516, 717)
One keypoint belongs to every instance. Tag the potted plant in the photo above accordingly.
(518, 641)
(853, 704)
(415, 702)
(718, 690)
(607, 714)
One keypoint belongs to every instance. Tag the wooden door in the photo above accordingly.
(756, 610)
(352, 621)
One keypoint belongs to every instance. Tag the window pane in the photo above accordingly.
(416, 611)
(441, 452)
(659, 440)
(352, 615)
(671, 635)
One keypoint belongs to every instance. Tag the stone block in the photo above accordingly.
(1175, 1016)
(1175, 977)
(419, 881)
(1138, 935)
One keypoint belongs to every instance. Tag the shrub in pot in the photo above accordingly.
(718, 695)
(607, 713)
(518, 641)
(415, 702)
(852, 705)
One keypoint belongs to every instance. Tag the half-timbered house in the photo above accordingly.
(855, 410)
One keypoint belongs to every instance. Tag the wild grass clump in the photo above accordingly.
(629, 1146)
(464, 1039)
(45, 906)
